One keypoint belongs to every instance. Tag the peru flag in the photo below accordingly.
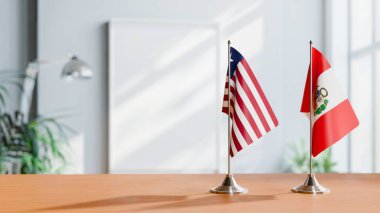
(332, 116)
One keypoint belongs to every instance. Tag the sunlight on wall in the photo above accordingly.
(186, 44)
(236, 12)
(251, 34)
(361, 88)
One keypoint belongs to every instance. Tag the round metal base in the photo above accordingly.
(311, 186)
(229, 186)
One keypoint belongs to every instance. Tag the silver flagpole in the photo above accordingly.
(311, 185)
(311, 109)
(229, 185)
(229, 109)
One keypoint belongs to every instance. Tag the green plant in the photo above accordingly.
(29, 147)
(298, 160)
(32, 147)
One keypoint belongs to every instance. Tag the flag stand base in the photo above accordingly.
(311, 186)
(229, 186)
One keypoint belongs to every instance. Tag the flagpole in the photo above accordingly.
(311, 185)
(311, 109)
(229, 185)
(229, 110)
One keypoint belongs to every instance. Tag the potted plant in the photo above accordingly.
(31, 146)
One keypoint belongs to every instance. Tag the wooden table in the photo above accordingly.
(185, 193)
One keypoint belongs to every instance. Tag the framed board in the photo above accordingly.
(164, 96)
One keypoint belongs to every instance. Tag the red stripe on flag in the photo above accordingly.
(249, 117)
(253, 101)
(235, 141)
(242, 129)
(233, 78)
(333, 126)
(260, 91)
(232, 90)
(225, 109)
(225, 97)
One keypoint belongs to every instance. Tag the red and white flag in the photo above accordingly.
(250, 112)
(332, 115)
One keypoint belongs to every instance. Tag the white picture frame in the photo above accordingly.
(164, 97)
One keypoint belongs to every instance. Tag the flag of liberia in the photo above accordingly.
(332, 114)
(250, 112)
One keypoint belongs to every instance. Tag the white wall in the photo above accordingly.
(338, 51)
(13, 41)
(272, 34)
(352, 38)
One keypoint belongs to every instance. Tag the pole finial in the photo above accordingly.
(229, 41)
(311, 42)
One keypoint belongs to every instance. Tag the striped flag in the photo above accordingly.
(332, 116)
(250, 112)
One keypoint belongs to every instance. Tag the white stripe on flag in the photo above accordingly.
(240, 138)
(245, 123)
(256, 95)
(234, 150)
(231, 94)
(251, 110)
(232, 97)
(232, 83)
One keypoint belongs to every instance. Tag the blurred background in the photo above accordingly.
(155, 71)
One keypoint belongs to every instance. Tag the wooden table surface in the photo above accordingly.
(185, 193)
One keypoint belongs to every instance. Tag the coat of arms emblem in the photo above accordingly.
(320, 100)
